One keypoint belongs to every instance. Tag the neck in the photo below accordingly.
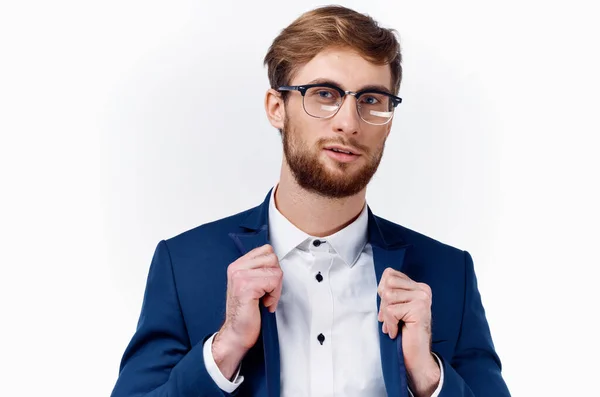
(314, 214)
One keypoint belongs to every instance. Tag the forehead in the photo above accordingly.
(346, 67)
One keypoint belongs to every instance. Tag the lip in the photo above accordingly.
(341, 157)
(347, 149)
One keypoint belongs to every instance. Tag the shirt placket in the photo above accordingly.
(320, 340)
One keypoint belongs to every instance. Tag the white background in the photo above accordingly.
(126, 122)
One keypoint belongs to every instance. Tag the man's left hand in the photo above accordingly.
(408, 301)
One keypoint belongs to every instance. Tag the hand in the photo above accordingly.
(254, 276)
(403, 299)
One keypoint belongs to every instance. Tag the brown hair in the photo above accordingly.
(332, 26)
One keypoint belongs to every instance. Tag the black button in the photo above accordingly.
(321, 338)
(319, 277)
(316, 243)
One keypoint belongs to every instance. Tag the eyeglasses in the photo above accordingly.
(324, 100)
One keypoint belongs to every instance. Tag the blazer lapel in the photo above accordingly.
(388, 251)
(258, 234)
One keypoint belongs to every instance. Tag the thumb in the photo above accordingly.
(269, 300)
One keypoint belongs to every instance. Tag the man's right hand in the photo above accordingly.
(255, 276)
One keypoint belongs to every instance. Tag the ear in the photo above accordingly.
(275, 108)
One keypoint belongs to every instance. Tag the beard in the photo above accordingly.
(313, 175)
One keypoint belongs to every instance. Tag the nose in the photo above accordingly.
(346, 121)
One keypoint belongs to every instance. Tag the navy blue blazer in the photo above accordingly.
(184, 304)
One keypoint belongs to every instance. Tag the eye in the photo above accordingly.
(370, 100)
(324, 94)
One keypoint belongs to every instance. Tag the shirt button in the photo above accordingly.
(321, 338)
(316, 243)
(319, 277)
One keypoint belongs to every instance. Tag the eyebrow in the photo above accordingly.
(370, 87)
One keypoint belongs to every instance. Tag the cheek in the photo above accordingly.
(375, 138)
(293, 107)
(382, 132)
(307, 128)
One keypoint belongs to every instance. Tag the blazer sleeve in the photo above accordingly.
(475, 368)
(160, 361)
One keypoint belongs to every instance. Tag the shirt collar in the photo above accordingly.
(285, 236)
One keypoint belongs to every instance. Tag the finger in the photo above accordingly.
(271, 299)
(259, 251)
(392, 315)
(256, 252)
(259, 273)
(393, 296)
(393, 281)
(265, 283)
(425, 288)
(276, 294)
(408, 313)
(256, 290)
(386, 317)
(392, 329)
(391, 272)
(391, 326)
(268, 300)
(266, 259)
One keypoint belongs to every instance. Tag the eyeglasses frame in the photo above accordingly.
(356, 94)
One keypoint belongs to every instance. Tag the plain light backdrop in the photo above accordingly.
(126, 122)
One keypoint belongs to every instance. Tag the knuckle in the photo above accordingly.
(385, 282)
(388, 295)
(267, 270)
(269, 258)
(426, 289)
(243, 285)
(231, 269)
(233, 273)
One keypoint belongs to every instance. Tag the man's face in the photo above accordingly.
(307, 140)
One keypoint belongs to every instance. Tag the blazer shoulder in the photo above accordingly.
(211, 233)
(417, 239)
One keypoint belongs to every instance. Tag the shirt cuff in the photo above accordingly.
(215, 373)
(437, 391)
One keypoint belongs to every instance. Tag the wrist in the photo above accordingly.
(424, 377)
(227, 353)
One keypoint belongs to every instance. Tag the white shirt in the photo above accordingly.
(327, 314)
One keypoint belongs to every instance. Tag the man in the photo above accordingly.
(310, 293)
